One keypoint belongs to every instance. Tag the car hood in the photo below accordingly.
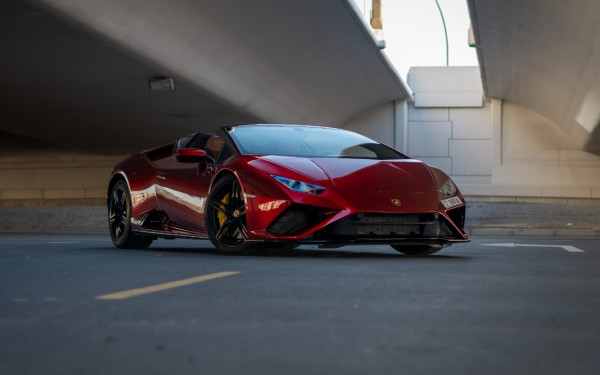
(362, 175)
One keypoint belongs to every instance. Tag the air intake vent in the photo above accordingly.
(296, 219)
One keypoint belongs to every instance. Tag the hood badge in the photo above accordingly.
(396, 202)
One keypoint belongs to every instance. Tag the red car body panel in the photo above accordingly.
(168, 197)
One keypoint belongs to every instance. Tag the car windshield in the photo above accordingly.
(308, 141)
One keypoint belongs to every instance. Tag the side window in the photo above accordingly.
(183, 142)
(225, 153)
(193, 141)
(213, 147)
(212, 144)
(198, 141)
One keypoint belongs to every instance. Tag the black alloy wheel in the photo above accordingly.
(225, 217)
(119, 220)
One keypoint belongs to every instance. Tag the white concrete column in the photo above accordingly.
(401, 126)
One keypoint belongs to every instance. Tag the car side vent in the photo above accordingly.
(154, 220)
(458, 217)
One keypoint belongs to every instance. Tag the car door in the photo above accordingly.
(182, 187)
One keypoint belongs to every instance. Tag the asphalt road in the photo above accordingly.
(73, 304)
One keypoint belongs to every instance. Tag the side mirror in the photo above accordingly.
(190, 155)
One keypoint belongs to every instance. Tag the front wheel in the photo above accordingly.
(119, 220)
(225, 217)
(418, 249)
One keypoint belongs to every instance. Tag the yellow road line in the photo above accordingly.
(165, 286)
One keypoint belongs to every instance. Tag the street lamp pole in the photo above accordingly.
(445, 32)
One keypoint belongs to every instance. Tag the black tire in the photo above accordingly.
(225, 217)
(119, 220)
(417, 249)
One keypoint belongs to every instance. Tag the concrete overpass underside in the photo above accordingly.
(75, 73)
(544, 55)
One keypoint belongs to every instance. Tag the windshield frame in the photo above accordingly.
(379, 150)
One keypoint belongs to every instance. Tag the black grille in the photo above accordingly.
(373, 226)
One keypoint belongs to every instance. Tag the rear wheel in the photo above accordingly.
(119, 220)
(225, 217)
(417, 249)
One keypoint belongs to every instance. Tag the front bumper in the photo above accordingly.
(305, 224)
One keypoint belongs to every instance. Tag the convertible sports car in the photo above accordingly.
(261, 186)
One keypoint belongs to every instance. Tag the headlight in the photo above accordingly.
(448, 189)
(300, 186)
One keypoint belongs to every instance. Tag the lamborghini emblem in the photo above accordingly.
(396, 202)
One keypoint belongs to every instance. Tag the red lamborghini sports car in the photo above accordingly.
(266, 186)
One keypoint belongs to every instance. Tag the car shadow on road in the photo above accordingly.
(346, 254)
(311, 253)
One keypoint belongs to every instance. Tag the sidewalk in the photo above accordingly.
(532, 219)
(483, 219)
(54, 219)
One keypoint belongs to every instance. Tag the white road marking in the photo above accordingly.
(571, 249)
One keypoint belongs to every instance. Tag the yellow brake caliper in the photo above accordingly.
(221, 216)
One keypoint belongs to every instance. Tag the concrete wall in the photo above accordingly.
(377, 123)
(34, 173)
(489, 147)
(534, 158)
(68, 179)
